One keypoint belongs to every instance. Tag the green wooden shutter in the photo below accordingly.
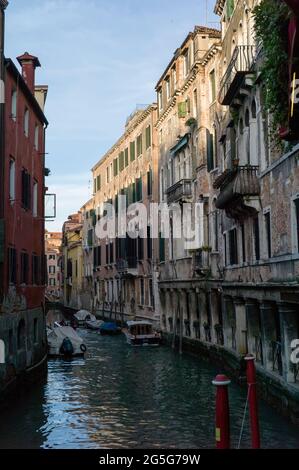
(230, 6)
(161, 248)
(115, 167)
(182, 109)
(98, 183)
(126, 157)
(210, 151)
(148, 137)
(132, 151)
(121, 161)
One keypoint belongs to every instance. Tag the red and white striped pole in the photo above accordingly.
(222, 412)
(252, 399)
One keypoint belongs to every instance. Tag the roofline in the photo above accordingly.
(191, 34)
(143, 115)
(31, 98)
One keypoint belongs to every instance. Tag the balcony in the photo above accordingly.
(180, 191)
(233, 82)
(127, 267)
(239, 190)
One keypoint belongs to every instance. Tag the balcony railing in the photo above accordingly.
(126, 266)
(240, 65)
(179, 191)
(236, 184)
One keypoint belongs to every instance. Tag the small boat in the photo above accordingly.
(142, 333)
(63, 341)
(94, 324)
(109, 329)
(83, 316)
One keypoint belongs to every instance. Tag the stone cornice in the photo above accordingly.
(143, 115)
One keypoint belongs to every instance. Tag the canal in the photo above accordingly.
(120, 397)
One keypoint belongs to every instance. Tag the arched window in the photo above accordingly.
(21, 334)
(241, 126)
(247, 118)
(26, 122)
(253, 109)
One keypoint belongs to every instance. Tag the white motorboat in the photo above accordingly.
(63, 341)
(141, 333)
(94, 324)
(83, 316)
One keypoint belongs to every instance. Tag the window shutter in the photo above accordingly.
(149, 183)
(210, 151)
(126, 157)
(182, 109)
(161, 248)
(121, 161)
(132, 151)
(230, 8)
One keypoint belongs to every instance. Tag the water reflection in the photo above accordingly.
(120, 397)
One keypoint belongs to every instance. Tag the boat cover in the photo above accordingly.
(109, 326)
(84, 315)
(57, 335)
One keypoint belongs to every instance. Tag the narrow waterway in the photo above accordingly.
(121, 397)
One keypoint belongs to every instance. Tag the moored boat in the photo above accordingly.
(109, 328)
(94, 324)
(142, 333)
(63, 341)
(83, 316)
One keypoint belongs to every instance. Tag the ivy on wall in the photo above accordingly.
(271, 29)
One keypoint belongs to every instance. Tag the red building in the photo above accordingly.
(22, 258)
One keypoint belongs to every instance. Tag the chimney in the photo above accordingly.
(29, 63)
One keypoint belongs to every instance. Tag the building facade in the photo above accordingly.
(88, 287)
(72, 261)
(53, 241)
(125, 267)
(188, 276)
(22, 274)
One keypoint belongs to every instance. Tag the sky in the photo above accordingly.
(100, 58)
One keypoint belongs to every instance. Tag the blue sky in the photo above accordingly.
(100, 59)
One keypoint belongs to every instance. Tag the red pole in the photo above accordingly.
(252, 399)
(222, 412)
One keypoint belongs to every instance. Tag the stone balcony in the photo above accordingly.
(236, 79)
(127, 267)
(239, 191)
(180, 191)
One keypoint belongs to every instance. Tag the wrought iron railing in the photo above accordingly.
(180, 190)
(258, 348)
(241, 62)
(276, 357)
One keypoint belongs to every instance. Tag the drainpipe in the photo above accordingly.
(3, 5)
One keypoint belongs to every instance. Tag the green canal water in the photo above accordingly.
(121, 397)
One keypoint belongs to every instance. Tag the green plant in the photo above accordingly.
(191, 122)
(271, 21)
(207, 248)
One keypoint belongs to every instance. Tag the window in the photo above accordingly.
(115, 166)
(213, 86)
(139, 192)
(12, 266)
(36, 137)
(296, 204)
(174, 78)
(121, 159)
(140, 246)
(195, 103)
(12, 180)
(126, 157)
(14, 104)
(35, 196)
(132, 151)
(253, 109)
(26, 189)
(35, 270)
(243, 243)
(149, 183)
(141, 291)
(21, 335)
(161, 248)
(233, 246)
(52, 257)
(107, 176)
(99, 182)
(35, 329)
(186, 62)
(149, 243)
(24, 268)
(267, 218)
(151, 294)
(256, 237)
(26, 122)
(52, 269)
(168, 88)
(148, 137)
(225, 249)
(139, 145)
(162, 188)
(160, 99)
(210, 150)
